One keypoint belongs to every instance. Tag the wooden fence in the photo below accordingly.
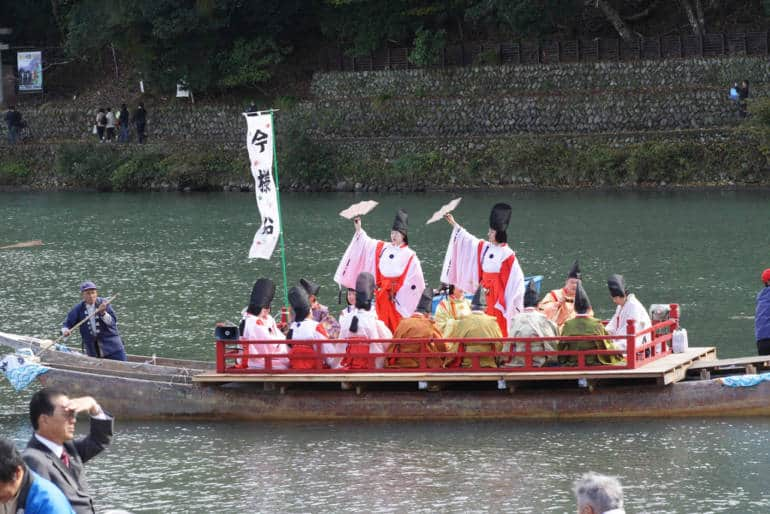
(558, 52)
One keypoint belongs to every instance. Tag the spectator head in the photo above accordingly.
(123, 107)
(598, 494)
(11, 470)
(51, 416)
(11, 107)
(766, 277)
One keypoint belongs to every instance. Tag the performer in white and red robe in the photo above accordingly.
(259, 325)
(471, 262)
(395, 266)
(362, 324)
(303, 354)
(628, 308)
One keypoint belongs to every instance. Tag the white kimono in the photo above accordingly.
(257, 328)
(369, 327)
(313, 330)
(632, 309)
(394, 261)
(468, 259)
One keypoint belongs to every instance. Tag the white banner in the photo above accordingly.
(30, 70)
(259, 141)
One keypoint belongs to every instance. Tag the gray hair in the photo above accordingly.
(601, 492)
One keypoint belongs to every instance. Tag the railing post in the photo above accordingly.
(443, 57)
(700, 43)
(539, 52)
(220, 356)
(558, 52)
(387, 57)
(745, 43)
(462, 53)
(641, 48)
(660, 47)
(598, 48)
(674, 313)
(681, 47)
(500, 53)
(577, 45)
(371, 61)
(631, 344)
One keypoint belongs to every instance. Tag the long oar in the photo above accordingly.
(25, 244)
(77, 325)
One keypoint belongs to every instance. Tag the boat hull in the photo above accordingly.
(143, 399)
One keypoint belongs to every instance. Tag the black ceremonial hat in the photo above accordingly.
(478, 303)
(299, 302)
(530, 295)
(365, 285)
(401, 222)
(500, 217)
(309, 286)
(582, 303)
(425, 305)
(616, 285)
(262, 293)
(574, 271)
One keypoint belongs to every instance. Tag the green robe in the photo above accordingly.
(478, 325)
(582, 326)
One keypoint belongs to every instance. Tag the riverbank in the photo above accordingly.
(592, 125)
(736, 157)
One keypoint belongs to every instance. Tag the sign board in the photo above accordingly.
(30, 71)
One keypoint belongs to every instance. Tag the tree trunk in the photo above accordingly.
(613, 17)
(695, 19)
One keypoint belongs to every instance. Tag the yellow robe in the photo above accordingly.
(449, 310)
(477, 324)
(559, 307)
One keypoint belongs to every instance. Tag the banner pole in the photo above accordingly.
(280, 215)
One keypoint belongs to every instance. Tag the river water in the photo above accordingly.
(179, 265)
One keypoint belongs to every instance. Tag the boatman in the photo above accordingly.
(559, 305)
(471, 262)
(100, 333)
(762, 317)
(394, 265)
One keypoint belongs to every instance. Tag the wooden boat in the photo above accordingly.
(173, 388)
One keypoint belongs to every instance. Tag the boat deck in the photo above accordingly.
(666, 370)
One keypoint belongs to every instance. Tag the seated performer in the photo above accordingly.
(558, 305)
(362, 323)
(417, 326)
(451, 308)
(584, 324)
(320, 312)
(532, 323)
(303, 355)
(479, 325)
(628, 307)
(470, 262)
(350, 299)
(394, 265)
(259, 325)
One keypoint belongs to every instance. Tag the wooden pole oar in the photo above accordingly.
(77, 325)
(25, 244)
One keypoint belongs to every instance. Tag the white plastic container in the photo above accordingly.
(679, 341)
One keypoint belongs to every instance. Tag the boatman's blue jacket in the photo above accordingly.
(762, 317)
(106, 339)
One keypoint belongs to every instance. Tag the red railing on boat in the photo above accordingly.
(234, 356)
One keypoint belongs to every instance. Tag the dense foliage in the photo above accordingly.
(224, 44)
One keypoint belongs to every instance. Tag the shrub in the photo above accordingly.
(427, 47)
(14, 173)
(88, 165)
(138, 172)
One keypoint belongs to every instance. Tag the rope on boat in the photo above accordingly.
(184, 374)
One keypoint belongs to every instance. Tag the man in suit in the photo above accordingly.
(52, 451)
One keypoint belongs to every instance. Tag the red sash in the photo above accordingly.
(387, 287)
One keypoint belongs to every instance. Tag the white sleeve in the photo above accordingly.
(461, 267)
(408, 295)
(358, 257)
